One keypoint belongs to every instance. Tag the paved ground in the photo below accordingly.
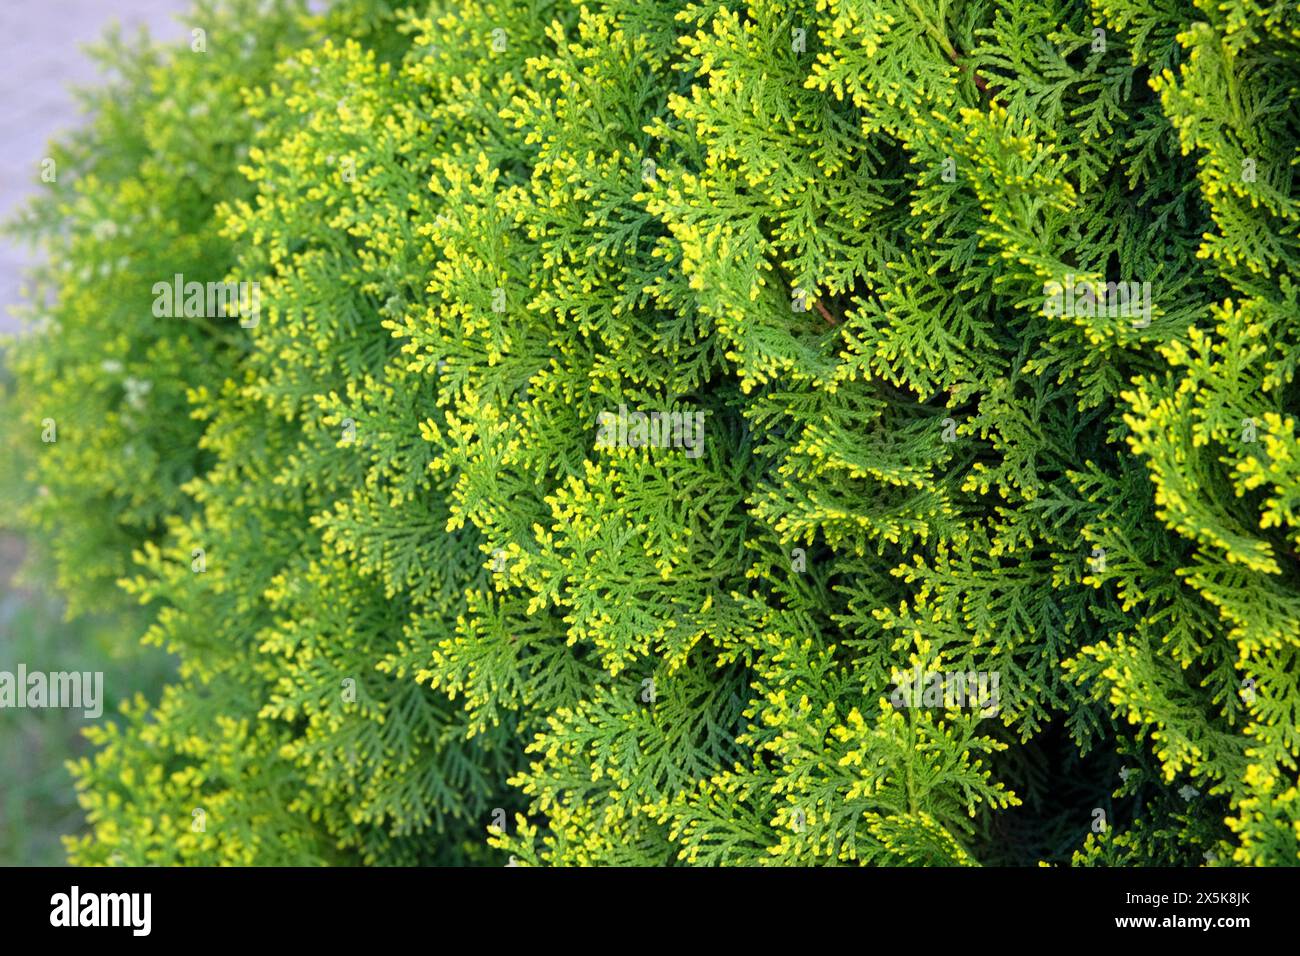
(40, 55)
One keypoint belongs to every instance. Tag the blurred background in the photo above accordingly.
(40, 58)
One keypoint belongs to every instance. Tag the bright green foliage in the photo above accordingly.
(440, 623)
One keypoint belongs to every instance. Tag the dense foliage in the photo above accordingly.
(423, 616)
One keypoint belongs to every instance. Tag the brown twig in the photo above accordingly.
(820, 308)
(981, 84)
(825, 314)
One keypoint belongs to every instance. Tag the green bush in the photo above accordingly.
(431, 607)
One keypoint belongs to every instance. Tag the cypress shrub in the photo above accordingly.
(776, 432)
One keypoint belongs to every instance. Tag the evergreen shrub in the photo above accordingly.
(967, 529)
